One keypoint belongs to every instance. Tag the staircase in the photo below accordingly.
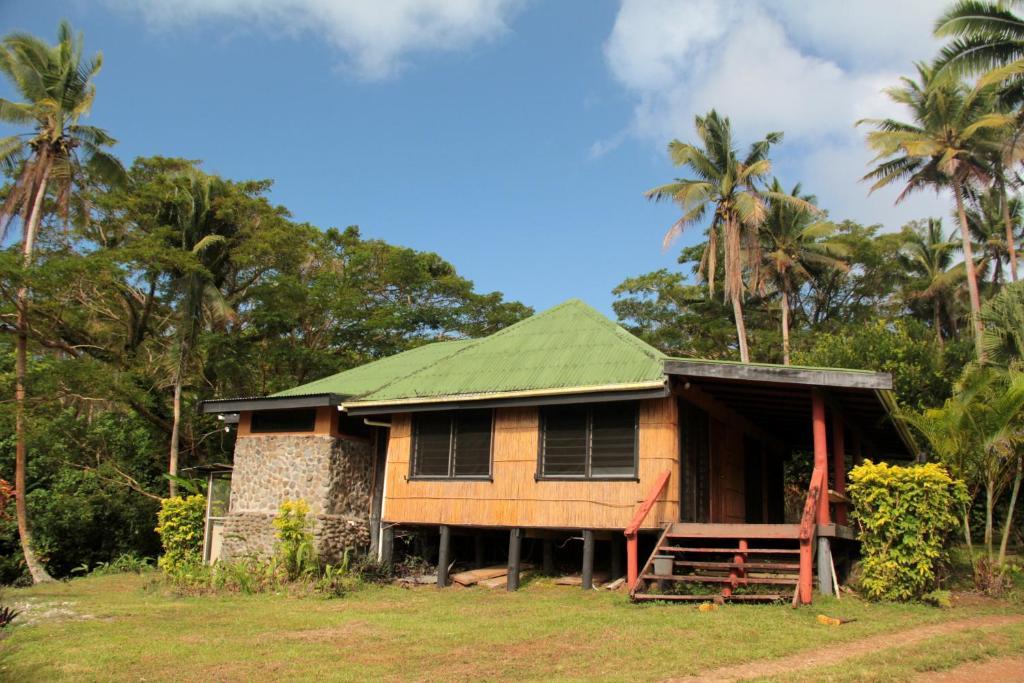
(723, 562)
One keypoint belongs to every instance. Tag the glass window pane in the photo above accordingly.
(613, 440)
(431, 445)
(220, 496)
(472, 444)
(564, 451)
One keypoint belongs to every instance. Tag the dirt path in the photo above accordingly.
(843, 651)
(998, 669)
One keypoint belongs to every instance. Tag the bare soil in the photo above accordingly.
(833, 655)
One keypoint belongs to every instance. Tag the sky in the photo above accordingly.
(513, 137)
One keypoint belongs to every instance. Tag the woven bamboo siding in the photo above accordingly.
(515, 498)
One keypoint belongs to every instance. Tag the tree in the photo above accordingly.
(725, 186)
(55, 83)
(927, 256)
(954, 130)
(986, 37)
(795, 246)
(988, 217)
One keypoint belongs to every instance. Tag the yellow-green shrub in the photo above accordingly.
(295, 538)
(181, 523)
(904, 515)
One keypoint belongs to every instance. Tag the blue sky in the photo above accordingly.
(513, 138)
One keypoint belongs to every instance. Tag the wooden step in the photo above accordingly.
(749, 566)
(738, 531)
(731, 551)
(747, 597)
(694, 578)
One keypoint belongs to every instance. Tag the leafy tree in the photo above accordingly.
(726, 187)
(795, 246)
(953, 132)
(56, 85)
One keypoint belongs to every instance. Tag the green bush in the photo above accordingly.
(181, 526)
(295, 539)
(904, 515)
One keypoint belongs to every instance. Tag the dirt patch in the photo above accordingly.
(998, 669)
(33, 611)
(838, 653)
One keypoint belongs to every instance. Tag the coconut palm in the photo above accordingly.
(987, 38)
(927, 256)
(200, 237)
(795, 246)
(725, 186)
(55, 84)
(986, 219)
(954, 132)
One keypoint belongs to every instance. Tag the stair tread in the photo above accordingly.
(750, 597)
(750, 566)
(732, 551)
(693, 578)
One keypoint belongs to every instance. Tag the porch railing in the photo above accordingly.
(808, 533)
(631, 531)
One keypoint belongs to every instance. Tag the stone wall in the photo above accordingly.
(332, 475)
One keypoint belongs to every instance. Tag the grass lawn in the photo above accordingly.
(128, 627)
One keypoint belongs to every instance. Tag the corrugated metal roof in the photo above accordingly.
(366, 378)
(570, 346)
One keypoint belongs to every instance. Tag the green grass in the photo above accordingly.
(541, 632)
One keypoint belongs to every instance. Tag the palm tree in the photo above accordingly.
(726, 186)
(795, 246)
(927, 255)
(195, 228)
(988, 40)
(954, 132)
(55, 83)
(987, 217)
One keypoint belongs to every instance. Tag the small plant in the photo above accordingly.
(248, 575)
(125, 563)
(337, 580)
(990, 578)
(295, 539)
(7, 615)
(181, 523)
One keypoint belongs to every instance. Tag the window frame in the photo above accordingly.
(588, 458)
(452, 441)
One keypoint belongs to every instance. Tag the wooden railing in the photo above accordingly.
(808, 533)
(632, 569)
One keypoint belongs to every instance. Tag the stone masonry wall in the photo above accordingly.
(332, 475)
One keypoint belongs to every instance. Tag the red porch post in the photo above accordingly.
(820, 452)
(839, 464)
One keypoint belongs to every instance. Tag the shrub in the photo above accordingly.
(181, 524)
(247, 575)
(904, 515)
(295, 539)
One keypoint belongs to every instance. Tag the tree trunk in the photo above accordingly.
(972, 275)
(967, 532)
(741, 328)
(785, 327)
(31, 225)
(937, 321)
(1008, 522)
(990, 502)
(172, 463)
(1011, 244)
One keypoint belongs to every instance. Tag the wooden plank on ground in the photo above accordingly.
(577, 580)
(474, 576)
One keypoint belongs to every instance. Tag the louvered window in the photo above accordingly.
(452, 445)
(589, 441)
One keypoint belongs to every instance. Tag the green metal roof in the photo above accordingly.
(570, 347)
(366, 378)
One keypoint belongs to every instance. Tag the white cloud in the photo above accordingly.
(808, 69)
(375, 37)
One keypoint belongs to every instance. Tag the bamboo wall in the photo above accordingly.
(514, 498)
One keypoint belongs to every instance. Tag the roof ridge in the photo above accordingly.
(626, 335)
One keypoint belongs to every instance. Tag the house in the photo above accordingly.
(565, 426)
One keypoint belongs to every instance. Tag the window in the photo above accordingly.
(589, 442)
(295, 420)
(452, 445)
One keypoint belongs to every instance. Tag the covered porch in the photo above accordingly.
(738, 422)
